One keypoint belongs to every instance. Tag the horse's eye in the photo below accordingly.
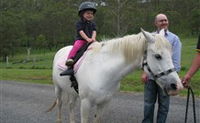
(158, 56)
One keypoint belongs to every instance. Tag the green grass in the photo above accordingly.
(37, 69)
(35, 61)
(188, 51)
(42, 76)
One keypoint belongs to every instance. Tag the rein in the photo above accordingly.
(155, 76)
(193, 100)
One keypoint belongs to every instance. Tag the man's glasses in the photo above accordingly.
(163, 20)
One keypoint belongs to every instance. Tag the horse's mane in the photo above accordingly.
(133, 46)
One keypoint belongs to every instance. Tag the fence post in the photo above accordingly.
(7, 61)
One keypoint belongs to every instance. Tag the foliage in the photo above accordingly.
(49, 24)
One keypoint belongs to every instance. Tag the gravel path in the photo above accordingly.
(26, 103)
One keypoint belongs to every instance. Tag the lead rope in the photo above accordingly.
(187, 104)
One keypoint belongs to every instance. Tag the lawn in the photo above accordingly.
(37, 69)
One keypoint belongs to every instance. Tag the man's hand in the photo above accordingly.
(144, 77)
(186, 80)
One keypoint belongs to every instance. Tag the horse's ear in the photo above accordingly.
(162, 32)
(149, 37)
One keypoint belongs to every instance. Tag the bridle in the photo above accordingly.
(155, 76)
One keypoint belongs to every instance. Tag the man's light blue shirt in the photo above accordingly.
(176, 49)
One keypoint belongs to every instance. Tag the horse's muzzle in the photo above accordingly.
(172, 89)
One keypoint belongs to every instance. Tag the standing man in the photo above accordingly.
(194, 67)
(152, 91)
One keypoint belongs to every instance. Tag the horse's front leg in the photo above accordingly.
(99, 111)
(85, 110)
(98, 114)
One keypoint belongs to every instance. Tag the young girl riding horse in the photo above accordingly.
(86, 33)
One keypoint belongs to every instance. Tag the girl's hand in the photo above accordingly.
(93, 39)
(89, 40)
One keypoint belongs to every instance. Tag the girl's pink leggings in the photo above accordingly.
(77, 45)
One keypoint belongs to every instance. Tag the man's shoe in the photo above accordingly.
(69, 62)
(69, 71)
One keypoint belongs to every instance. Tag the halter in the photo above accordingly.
(155, 76)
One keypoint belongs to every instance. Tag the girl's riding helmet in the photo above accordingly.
(86, 6)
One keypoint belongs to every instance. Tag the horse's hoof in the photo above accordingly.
(58, 121)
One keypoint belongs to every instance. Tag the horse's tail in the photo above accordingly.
(51, 108)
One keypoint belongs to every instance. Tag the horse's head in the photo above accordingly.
(158, 63)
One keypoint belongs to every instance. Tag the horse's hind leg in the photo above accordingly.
(85, 110)
(58, 92)
(72, 104)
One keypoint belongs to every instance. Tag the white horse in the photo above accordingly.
(106, 63)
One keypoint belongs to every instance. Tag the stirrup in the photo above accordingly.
(69, 71)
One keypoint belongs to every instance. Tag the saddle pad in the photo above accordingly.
(61, 62)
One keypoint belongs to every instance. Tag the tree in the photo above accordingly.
(10, 32)
(24, 23)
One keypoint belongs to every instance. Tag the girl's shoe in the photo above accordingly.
(69, 62)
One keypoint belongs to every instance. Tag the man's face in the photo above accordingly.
(161, 22)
